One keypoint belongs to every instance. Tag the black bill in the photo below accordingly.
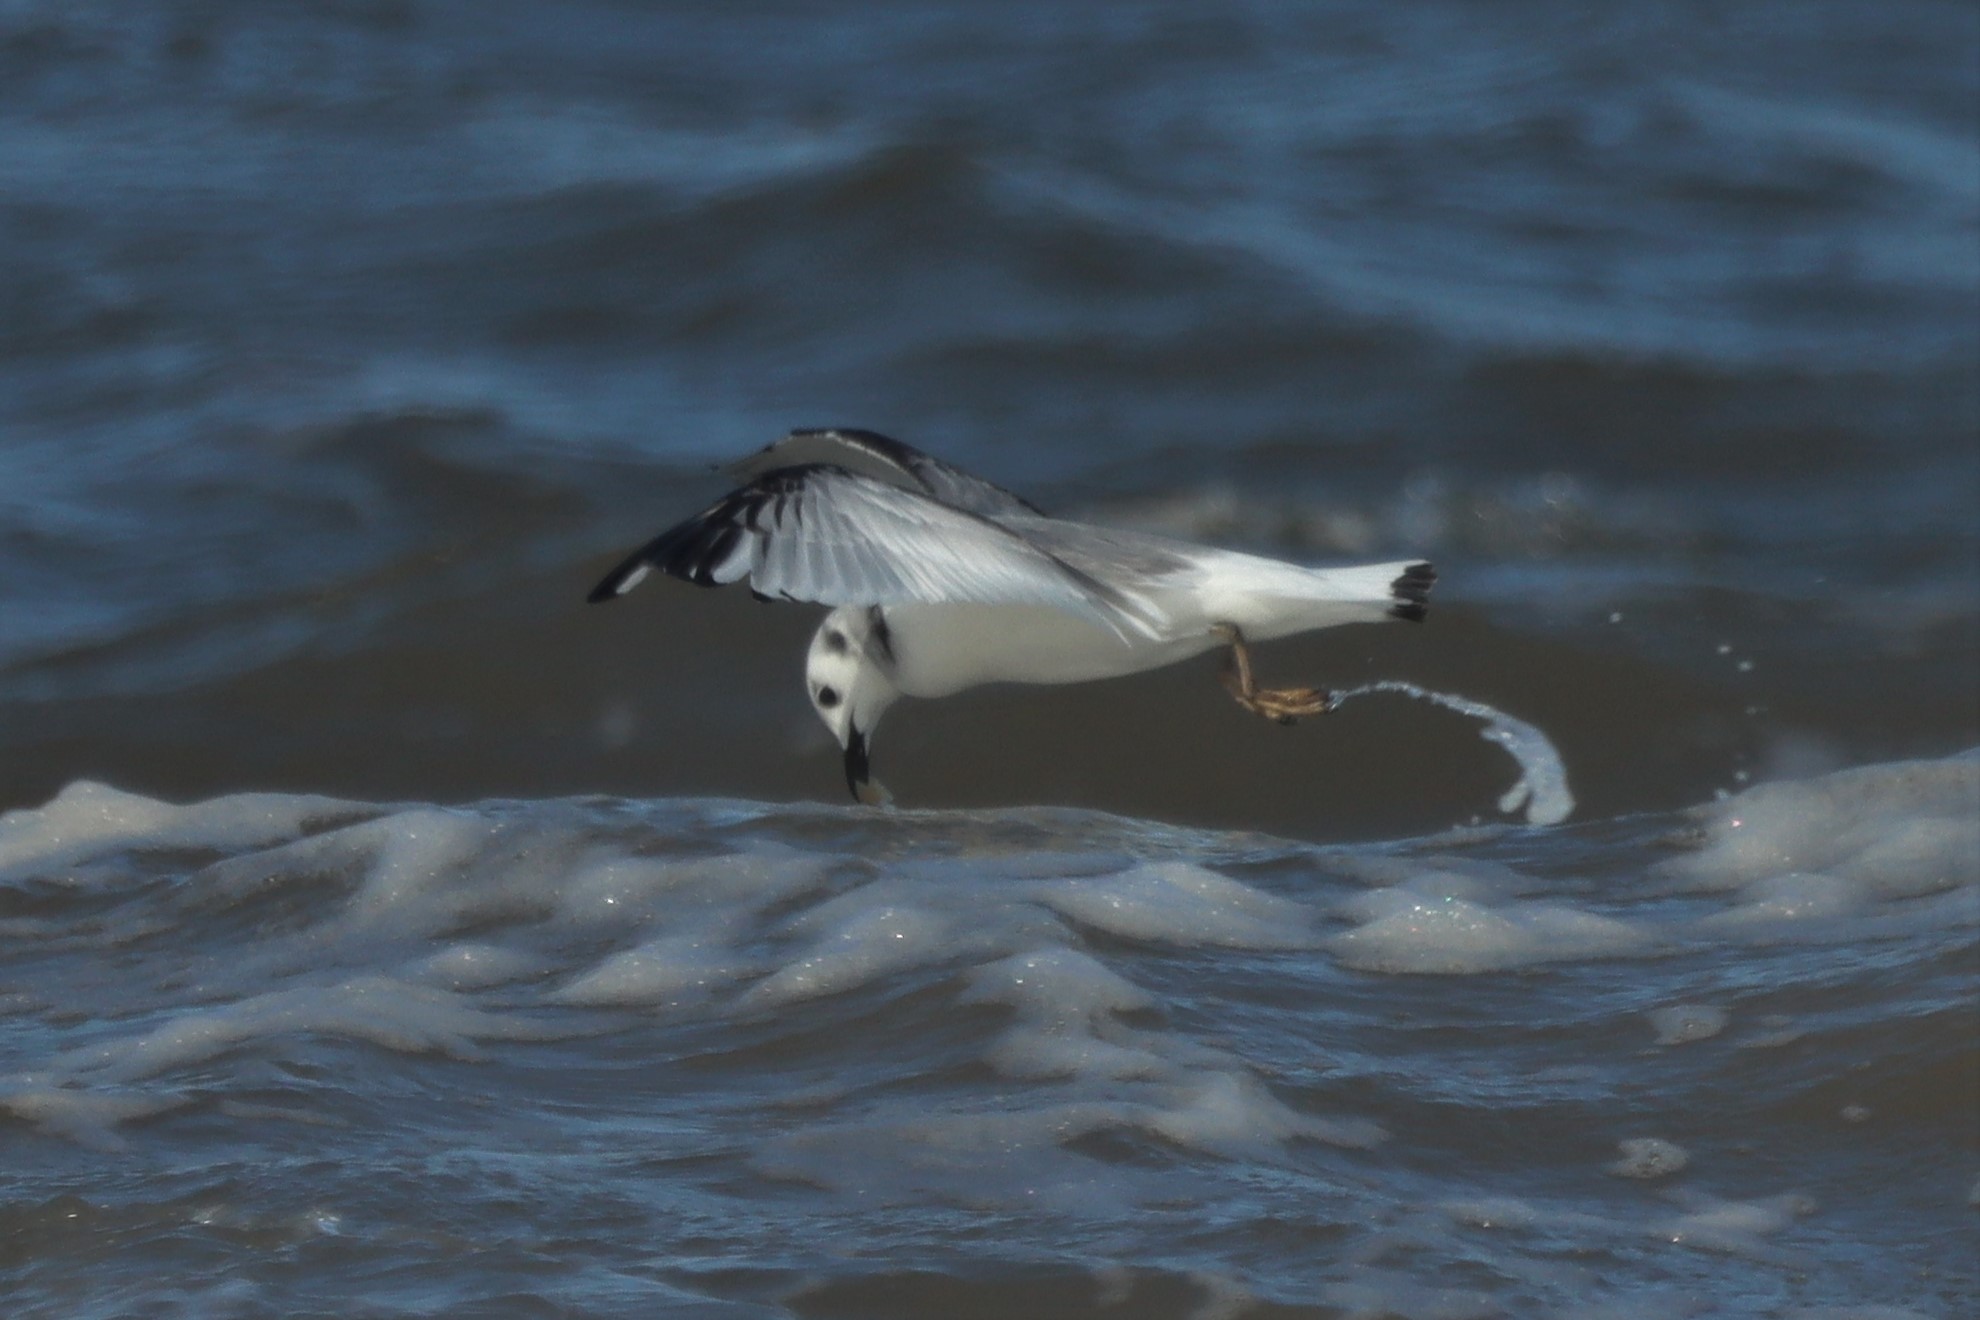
(857, 769)
(859, 776)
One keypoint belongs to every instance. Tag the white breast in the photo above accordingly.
(940, 649)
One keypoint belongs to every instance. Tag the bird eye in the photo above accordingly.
(827, 697)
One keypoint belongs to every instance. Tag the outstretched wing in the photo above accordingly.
(824, 534)
(884, 459)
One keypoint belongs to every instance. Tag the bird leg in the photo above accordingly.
(1281, 705)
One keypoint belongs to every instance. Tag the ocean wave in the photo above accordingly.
(1076, 1018)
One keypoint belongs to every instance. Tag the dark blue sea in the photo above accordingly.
(386, 932)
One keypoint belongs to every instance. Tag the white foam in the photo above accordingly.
(1034, 1053)
(83, 818)
(1441, 874)
(1494, 1212)
(609, 889)
(1895, 830)
(1413, 927)
(395, 1014)
(408, 875)
(417, 853)
(671, 970)
(1797, 896)
(1677, 1024)
(1055, 985)
(1181, 903)
(705, 905)
(1066, 1004)
(470, 965)
(1013, 1158)
(858, 948)
(88, 819)
(1649, 1157)
(1229, 1112)
(1878, 849)
(1735, 1227)
(1542, 787)
(1702, 1221)
(89, 1117)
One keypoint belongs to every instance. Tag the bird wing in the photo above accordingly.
(884, 459)
(821, 533)
(1111, 554)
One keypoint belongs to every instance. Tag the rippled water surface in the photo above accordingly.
(384, 931)
(759, 1060)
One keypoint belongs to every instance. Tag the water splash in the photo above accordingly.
(1542, 788)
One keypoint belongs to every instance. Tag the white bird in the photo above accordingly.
(940, 581)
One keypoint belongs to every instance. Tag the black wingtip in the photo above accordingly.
(695, 550)
(621, 579)
(1412, 592)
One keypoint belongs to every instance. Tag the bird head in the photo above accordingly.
(846, 675)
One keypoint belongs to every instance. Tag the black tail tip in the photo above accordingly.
(1412, 592)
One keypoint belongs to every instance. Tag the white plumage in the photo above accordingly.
(940, 581)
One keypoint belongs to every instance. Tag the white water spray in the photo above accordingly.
(1542, 788)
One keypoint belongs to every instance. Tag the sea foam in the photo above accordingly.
(1855, 854)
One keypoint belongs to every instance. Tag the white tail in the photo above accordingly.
(1401, 589)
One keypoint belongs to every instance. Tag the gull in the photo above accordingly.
(939, 581)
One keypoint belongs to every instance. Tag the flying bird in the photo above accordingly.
(939, 580)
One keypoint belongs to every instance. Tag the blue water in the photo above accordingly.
(342, 347)
(270, 1052)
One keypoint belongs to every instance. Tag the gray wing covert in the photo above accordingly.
(888, 460)
(1108, 554)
